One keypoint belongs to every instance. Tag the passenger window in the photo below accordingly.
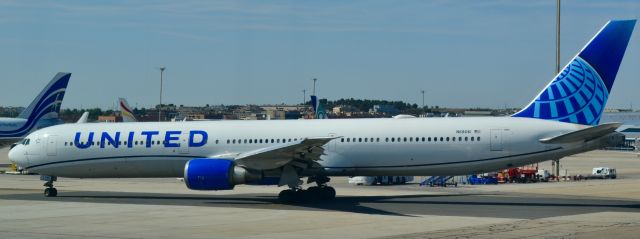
(65, 143)
(377, 139)
(454, 138)
(359, 139)
(71, 144)
(459, 138)
(342, 140)
(216, 141)
(233, 142)
(365, 140)
(410, 139)
(478, 139)
(272, 141)
(386, 139)
(348, 140)
(471, 138)
(441, 139)
(447, 139)
(423, 139)
(393, 139)
(466, 138)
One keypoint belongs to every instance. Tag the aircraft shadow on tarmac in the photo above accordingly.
(476, 204)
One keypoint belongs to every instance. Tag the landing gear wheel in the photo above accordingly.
(328, 193)
(314, 192)
(50, 192)
(287, 196)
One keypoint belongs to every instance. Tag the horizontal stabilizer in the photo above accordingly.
(583, 135)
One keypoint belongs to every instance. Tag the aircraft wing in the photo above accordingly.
(583, 135)
(304, 151)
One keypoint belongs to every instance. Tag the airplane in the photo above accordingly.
(125, 111)
(561, 120)
(42, 112)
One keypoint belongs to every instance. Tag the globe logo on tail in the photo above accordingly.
(577, 95)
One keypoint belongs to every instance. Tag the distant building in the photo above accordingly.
(344, 109)
(276, 114)
(109, 118)
(476, 113)
(384, 109)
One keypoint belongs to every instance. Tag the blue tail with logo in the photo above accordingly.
(579, 93)
(49, 99)
(44, 109)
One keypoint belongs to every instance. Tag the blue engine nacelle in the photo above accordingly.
(216, 174)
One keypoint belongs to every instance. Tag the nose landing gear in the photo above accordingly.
(50, 191)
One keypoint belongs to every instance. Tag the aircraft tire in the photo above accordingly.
(287, 196)
(50, 192)
(328, 193)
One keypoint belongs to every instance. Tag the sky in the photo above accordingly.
(492, 53)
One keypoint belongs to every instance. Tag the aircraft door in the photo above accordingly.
(496, 140)
(52, 147)
(184, 143)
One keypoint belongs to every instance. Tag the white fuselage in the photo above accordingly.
(451, 146)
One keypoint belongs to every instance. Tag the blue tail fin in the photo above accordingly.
(579, 93)
(49, 99)
(318, 109)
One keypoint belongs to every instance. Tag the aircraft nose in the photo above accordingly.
(17, 155)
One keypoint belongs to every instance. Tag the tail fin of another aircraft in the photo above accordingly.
(47, 103)
(579, 93)
(318, 109)
(125, 111)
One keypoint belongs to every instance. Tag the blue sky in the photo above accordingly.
(462, 53)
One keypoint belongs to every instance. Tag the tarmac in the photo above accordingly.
(165, 208)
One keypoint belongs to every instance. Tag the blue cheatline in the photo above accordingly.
(580, 91)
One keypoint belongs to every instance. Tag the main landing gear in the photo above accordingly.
(322, 192)
(297, 195)
(50, 191)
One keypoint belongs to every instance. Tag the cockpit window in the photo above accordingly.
(25, 141)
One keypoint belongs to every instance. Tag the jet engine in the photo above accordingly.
(216, 174)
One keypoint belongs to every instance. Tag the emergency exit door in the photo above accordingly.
(496, 140)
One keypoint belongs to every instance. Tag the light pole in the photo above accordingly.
(162, 68)
(304, 96)
(557, 161)
(422, 91)
(314, 86)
